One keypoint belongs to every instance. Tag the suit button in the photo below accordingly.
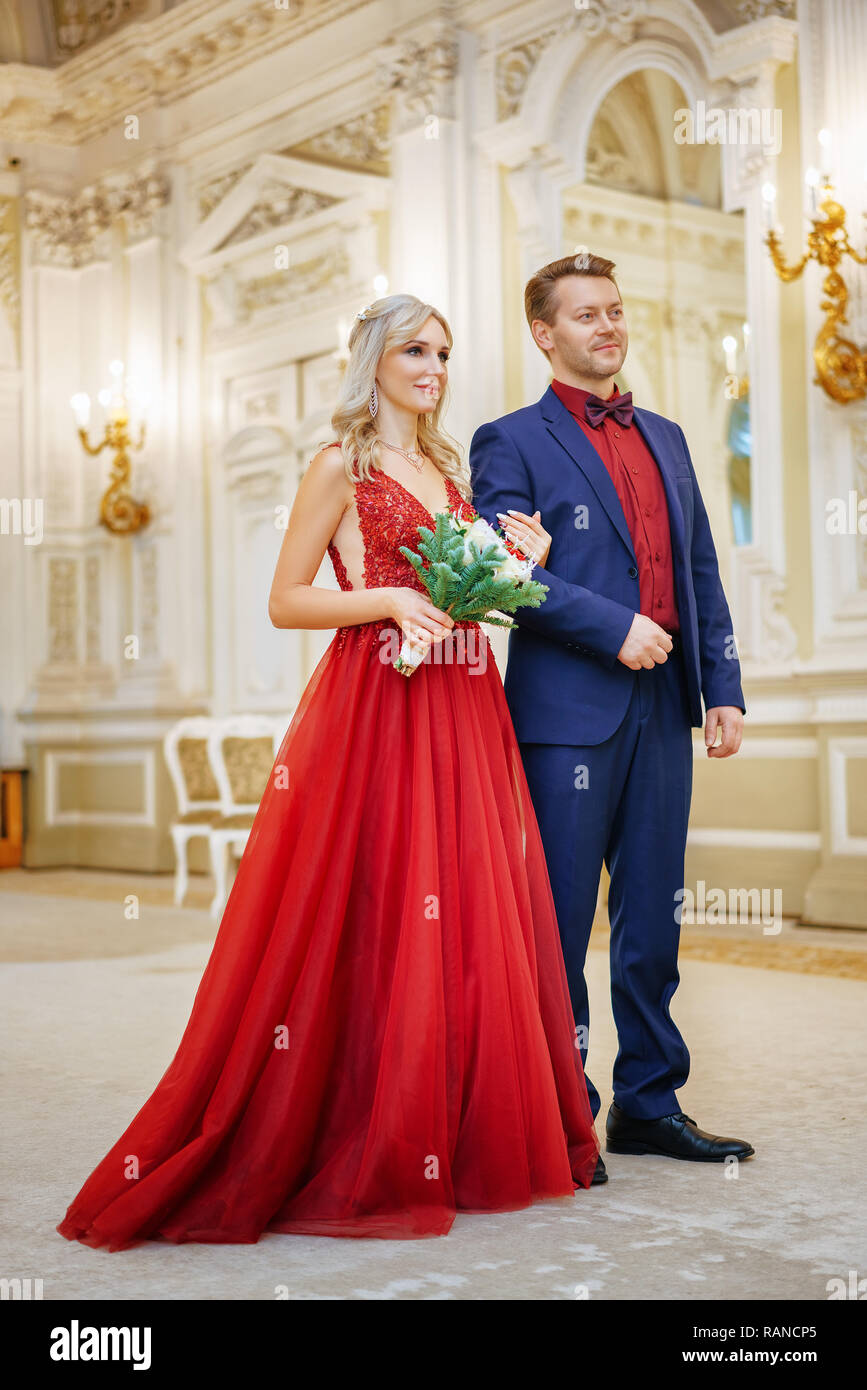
(633, 572)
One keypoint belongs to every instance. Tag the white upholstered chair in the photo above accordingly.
(241, 750)
(186, 752)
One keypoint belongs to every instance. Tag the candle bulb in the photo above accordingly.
(731, 348)
(80, 403)
(826, 145)
(811, 179)
(769, 199)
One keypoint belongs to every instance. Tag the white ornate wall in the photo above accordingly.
(448, 147)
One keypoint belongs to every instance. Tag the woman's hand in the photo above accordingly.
(419, 620)
(527, 533)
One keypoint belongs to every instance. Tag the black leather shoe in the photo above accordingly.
(677, 1136)
(600, 1175)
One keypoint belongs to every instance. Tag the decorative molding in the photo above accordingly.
(645, 318)
(92, 610)
(278, 205)
(805, 694)
(80, 23)
(69, 231)
(279, 190)
(514, 66)
(148, 615)
(859, 447)
(745, 163)
(260, 485)
(150, 63)
(363, 142)
(105, 726)
(10, 263)
(595, 226)
(328, 271)
(72, 669)
(55, 760)
(214, 191)
(62, 610)
(719, 838)
(612, 168)
(778, 640)
(512, 72)
(658, 230)
(765, 634)
(840, 752)
(616, 17)
(751, 10)
(421, 74)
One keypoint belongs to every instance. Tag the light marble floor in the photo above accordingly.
(94, 1005)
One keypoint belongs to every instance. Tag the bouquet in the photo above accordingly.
(470, 571)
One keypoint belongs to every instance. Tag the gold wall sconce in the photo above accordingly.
(841, 366)
(119, 512)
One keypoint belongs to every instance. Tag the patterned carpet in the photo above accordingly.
(94, 1003)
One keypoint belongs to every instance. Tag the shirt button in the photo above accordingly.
(647, 511)
(635, 470)
(658, 556)
(616, 434)
(659, 603)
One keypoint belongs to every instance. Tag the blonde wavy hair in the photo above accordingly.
(388, 323)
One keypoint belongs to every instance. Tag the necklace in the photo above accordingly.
(411, 455)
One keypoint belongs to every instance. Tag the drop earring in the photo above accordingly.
(374, 400)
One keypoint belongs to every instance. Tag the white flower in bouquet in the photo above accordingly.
(483, 533)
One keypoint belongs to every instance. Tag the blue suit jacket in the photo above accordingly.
(563, 682)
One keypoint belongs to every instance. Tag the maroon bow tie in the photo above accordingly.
(595, 409)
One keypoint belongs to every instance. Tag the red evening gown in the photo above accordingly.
(383, 1034)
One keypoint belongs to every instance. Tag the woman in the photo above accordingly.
(383, 1034)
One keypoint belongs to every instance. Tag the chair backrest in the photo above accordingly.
(185, 748)
(241, 750)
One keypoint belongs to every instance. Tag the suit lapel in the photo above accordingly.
(655, 443)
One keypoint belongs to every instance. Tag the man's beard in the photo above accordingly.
(590, 363)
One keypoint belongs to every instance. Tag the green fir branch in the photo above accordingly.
(468, 591)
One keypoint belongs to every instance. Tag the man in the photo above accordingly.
(605, 679)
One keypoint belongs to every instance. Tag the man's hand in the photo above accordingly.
(730, 720)
(647, 644)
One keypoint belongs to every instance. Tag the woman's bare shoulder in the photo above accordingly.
(328, 459)
(328, 468)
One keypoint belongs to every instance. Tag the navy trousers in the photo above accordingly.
(625, 801)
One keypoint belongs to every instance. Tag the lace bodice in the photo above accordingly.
(389, 516)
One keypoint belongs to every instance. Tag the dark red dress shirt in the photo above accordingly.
(635, 475)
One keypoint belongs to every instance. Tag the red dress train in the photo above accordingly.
(383, 1034)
